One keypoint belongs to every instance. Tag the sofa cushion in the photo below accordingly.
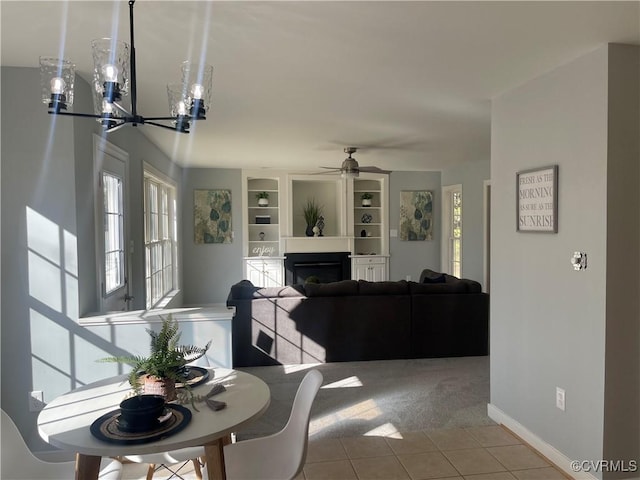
(242, 289)
(431, 276)
(431, 288)
(245, 290)
(472, 285)
(383, 288)
(436, 279)
(333, 289)
(288, 291)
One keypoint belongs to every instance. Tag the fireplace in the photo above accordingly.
(326, 266)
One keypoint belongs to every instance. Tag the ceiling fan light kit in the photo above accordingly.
(350, 167)
(114, 77)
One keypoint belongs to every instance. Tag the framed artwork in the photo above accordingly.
(416, 215)
(212, 216)
(537, 200)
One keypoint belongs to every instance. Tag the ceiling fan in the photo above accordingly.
(350, 167)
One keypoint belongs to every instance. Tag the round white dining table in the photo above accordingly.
(65, 422)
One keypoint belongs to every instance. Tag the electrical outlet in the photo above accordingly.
(560, 398)
(36, 401)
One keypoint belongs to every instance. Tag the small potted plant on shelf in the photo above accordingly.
(366, 199)
(165, 366)
(263, 199)
(311, 211)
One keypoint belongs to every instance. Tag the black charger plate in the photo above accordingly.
(106, 428)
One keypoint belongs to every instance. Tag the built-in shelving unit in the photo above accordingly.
(263, 261)
(370, 229)
(263, 221)
(270, 232)
(368, 221)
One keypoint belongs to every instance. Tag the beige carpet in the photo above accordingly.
(380, 397)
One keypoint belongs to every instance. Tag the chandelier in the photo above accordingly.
(114, 77)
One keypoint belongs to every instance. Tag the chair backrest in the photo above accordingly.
(280, 455)
(296, 432)
(17, 460)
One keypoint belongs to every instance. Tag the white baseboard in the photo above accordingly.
(549, 451)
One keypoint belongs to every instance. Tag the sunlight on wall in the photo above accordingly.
(53, 288)
(50, 351)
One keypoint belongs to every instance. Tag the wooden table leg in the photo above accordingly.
(214, 459)
(87, 467)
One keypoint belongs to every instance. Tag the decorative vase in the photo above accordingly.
(309, 231)
(366, 202)
(263, 202)
(160, 386)
(320, 225)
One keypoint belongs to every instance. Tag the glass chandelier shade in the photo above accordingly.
(114, 77)
(179, 105)
(197, 79)
(110, 68)
(57, 77)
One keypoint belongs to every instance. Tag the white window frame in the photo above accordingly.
(447, 259)
(167, 234)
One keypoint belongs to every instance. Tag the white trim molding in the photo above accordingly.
(554, 455)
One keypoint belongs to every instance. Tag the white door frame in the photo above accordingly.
(104, 153)
(445, 250)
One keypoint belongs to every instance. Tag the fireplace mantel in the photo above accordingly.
(317, 244)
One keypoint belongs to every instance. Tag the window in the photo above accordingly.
(160, 238)
(452, 230)
(114, 277)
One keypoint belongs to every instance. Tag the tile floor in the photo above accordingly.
(475, 453)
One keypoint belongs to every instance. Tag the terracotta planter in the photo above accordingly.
(160, 386)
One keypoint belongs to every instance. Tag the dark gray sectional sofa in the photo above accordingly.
(358, 320)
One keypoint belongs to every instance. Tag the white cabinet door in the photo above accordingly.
(378, 272)
(264, 272)
(359, 271)
(369, 269)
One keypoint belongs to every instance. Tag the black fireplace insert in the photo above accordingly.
(324, 266)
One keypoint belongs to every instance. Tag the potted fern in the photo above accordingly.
(165, 366)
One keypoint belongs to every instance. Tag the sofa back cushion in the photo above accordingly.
(383, 288)
(246, 290)
(428, 288)
(333, 289)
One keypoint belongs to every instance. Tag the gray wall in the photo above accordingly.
(211, 269)
(410, 258)
(48, 253)
(622, 362)
(549, 322)
(471, 175)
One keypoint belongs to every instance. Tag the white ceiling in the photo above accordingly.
(296, 82)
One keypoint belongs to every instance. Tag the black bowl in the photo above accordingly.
(140, 413)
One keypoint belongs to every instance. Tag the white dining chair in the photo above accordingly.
(18, 463)
(279, 456)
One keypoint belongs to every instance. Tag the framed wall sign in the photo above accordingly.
(537, 200)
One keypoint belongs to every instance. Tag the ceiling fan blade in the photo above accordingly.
(374, 170)
(329, 171)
